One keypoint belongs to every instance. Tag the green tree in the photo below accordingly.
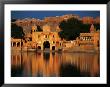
(70, 29)
(39, 28)
(13, 20)
(16, 31)
(97, 26)
(86, 28)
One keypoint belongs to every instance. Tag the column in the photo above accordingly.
(20, 44)
(82, 38)
(11, 44)
(16, 44)
(86, 38)
(42, 47)
(50, 47)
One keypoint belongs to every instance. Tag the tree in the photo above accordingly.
(16, 31)
(70, 29)
(39, 28)
(13, 20)
(97, 26)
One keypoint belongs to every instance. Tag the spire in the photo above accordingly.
(92, 29)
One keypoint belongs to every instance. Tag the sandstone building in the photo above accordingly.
(39, 40)
(49, 38)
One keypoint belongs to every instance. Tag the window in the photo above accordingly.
(60, 44)
(39, 47)
(53, 36)
(38, 36)
(46, 36)
(53, 41)
(30, 39)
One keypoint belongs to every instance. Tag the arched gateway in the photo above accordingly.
(47, 39)
(46, 44)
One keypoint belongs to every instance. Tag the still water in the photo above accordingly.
(53, 64)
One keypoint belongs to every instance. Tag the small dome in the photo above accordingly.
(34, 28)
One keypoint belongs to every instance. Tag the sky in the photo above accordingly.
(42, 14)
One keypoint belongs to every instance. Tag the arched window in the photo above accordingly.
(39, 47)
(14, 44)
(53, 47)
(53, 36)
(38, 36)
(53, 42)
(60, 44)
(18, 44)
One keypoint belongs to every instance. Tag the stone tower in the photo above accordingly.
(33, 29)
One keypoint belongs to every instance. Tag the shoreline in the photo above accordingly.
(63, 51)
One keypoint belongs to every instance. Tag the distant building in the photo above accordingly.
(97, 20)
(90, 40)
(88, 20)
(86, 41)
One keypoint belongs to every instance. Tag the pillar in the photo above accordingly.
(16, 44)
(42, 47)
(86, 38)
(20, 44)
(83, 38)
(50, 47)
(11, 44)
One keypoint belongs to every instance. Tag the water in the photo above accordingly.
(53, 64)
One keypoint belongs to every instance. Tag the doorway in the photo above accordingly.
(46, 44)
(53, 47)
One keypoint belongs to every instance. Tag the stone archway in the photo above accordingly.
(53, 47)
(14, 44)
(39, 47)
(46, 44)
(18, 44)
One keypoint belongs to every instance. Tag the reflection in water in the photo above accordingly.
(53, 64)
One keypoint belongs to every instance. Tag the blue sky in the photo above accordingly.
(42, 14)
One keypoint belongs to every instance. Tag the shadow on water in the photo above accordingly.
(53, 54)
(69, 70)
(16, 72)
(46, 56)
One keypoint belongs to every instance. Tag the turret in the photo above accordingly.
(92, 29)
(34, 28)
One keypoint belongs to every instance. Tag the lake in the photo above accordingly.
(54, 64)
